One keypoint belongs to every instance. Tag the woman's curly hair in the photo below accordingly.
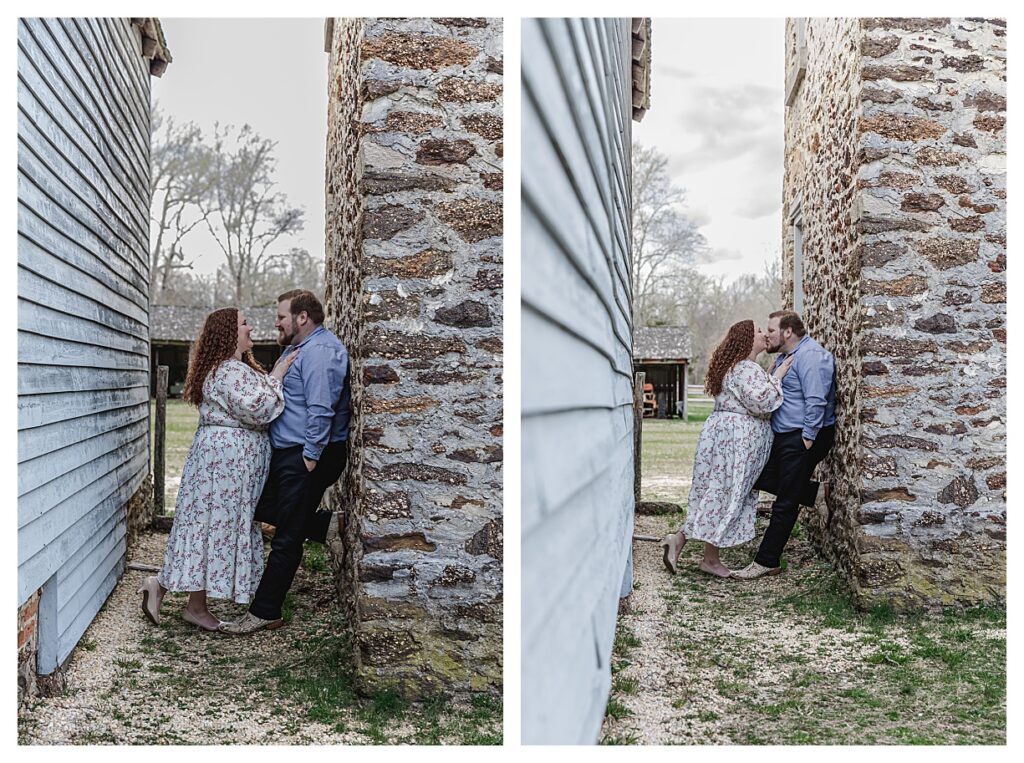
(738, 343)
(217, 342)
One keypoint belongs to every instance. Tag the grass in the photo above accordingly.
(668, 449)
(314, 557)
(792, 660)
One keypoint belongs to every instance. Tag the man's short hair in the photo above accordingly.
(789, 320)
(303, 300)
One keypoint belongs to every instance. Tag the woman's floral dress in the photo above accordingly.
(731, 452)
(214, 545)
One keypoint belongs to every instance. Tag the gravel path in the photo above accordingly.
(787, 660)
(130, 682)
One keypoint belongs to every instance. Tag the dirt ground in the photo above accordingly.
(788, 660)
(130, 682)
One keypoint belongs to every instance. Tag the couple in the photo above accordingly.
(237, 473)
(740, 451)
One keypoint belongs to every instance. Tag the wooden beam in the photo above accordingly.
(638, 419)
(328, 34)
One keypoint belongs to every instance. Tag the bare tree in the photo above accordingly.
(244, 214)
(665, 241)
(180, 178)
(296, 270)
(190, 289)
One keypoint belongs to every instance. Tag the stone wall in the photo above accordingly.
(139, 511)
(28, 640)
(423, 536)
(819, 167)
(917, 513)
(344, 284)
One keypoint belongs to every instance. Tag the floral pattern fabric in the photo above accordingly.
(214, 543)
(731, 452)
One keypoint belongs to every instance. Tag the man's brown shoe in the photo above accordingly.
(250, 624)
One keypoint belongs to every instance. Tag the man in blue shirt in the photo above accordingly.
(804, 431)
(310, 448)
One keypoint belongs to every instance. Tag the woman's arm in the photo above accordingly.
(759, 392)
(254, 399)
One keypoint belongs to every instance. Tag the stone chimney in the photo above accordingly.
(894, 217)
(414, 289)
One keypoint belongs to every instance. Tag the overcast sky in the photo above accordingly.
(269, 73)
(716, 111)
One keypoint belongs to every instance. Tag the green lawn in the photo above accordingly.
(666, 463)
(182, 421)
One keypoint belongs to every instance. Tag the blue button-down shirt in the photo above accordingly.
(808, 389)
(316, 396)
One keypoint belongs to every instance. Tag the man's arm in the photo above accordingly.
(323, 373)
(815, 373)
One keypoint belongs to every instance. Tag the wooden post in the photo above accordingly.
(160, 441)
(638, 425)
(686, 392)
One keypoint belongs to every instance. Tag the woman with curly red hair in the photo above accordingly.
(215, 548)
(732, 449)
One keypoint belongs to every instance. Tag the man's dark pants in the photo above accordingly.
(787, 475)
(289, 502)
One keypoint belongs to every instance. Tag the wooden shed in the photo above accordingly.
(584, 81)
(83, 319)
(173, 329)
(662, 353)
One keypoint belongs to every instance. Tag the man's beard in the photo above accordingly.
(284, 338)
(773, 347)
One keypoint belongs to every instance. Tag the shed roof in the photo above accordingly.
(170, 323)
(661, 343)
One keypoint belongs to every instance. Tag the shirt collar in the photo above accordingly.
(293, 347)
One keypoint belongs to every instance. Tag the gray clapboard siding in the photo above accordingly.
(46, 208)
(36, 262)
(577, 429)
(58, 475)
(41, 379)
(37, 290)
(108, 495)
(83, 313)
(76, 616)
(58, 520)
(79, 123)
(40, 410)
(87, 93)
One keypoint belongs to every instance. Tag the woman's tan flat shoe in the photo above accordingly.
(188, 617)
(708, 571)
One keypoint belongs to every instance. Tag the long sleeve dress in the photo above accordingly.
(731, 452)
(214, 544)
